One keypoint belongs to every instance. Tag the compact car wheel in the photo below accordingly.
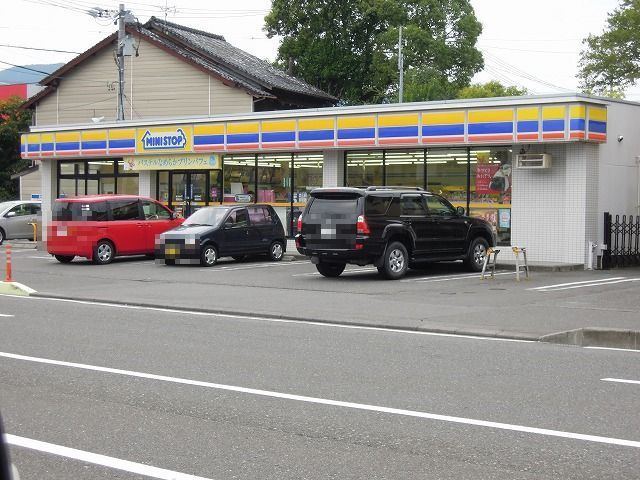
(330, 269)
(103, 253)
(208, 256)
(395, 261)
(276, 251)
(1, 236)
(64, 258)
(477, 254)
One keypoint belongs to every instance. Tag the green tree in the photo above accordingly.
(491, 89)
(348, 48)
(611, 61)
(12, 122)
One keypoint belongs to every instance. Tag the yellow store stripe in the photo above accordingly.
(121, 134)
(482, 116)
(317, 124)
(250, 127)
(397, 120)
(528, 114)
(578, 111)
(46, 138)
(553, 113)
(68, 137)
(356, 122)
(33, 138)
(598, 114)
(443, 118)
(94, 135)
(279, 126)
(209, 129)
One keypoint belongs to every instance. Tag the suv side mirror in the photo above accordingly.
(461, 211)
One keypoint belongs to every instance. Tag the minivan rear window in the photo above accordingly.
(80, 212)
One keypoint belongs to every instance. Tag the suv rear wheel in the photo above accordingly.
(330, 269)
(395, 261)
(476, 255)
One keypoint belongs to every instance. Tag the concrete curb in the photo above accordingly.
(596, 337)
(15, 288)
(589, 336)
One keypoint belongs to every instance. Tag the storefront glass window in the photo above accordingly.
(101, 168)
(364, 168)
(71, 168)
(239, 178)
(94, 177)
(274, 178)
(67, 187)
(404, 168)
(491, 189)
(163, 187)
(128, 185)
(447, 174)
(215, 186)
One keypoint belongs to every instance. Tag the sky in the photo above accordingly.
(535, 45)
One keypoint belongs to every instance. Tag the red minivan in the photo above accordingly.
(101, 227)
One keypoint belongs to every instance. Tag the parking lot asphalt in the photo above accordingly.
(439, 298)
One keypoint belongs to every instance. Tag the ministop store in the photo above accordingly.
(475, 153)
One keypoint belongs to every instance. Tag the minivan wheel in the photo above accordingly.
(208, 256)
(395, 261)
(103, 253)
(276, 251)
(476, 255)
(330, 269)
(64, 258)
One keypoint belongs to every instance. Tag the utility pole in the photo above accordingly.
(400, 66)
(120, 57)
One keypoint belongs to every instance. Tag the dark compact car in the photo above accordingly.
(392, 228)
(214, 232)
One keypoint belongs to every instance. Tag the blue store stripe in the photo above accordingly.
(65, 146)
(597, 127)
(577, 124)
(354, 133)
(553, 125)
(396, 132)
(490, 128)
(315, 135)
(94, 145)
(528, 126)
(34, 148)
(278, 136)
(208, 140)
(243, 138)
(442, 130)
(122, 143)
(46, 147)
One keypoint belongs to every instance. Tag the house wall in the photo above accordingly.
(30, 184)
(157, 84)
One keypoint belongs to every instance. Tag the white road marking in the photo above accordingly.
(558, 285)
(97, 459)
(614, 349)
(621, 380)
(458, 277)
(40, 257)
(274, 320)
(335, 403)
(5, 315)
(346, 272)
(593, 284)
(229, 268)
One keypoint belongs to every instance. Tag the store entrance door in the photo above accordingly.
(188, 191)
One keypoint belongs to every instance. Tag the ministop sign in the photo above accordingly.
(164, 140)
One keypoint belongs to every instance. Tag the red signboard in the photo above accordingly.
(484, 174)
(18, 90)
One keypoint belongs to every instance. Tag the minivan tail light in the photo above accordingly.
(362, 227)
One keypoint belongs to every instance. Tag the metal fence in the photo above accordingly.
(622, 237)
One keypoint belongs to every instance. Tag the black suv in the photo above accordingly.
(390, 227)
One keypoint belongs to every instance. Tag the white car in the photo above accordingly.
(17, 217)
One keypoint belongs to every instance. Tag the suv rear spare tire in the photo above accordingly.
(395, 261)
(330, 269)
(476, 255)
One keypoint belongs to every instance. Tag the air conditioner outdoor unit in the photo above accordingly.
(533, 160)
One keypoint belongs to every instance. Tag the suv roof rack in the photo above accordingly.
(374, 188)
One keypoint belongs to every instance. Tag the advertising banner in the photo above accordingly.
(484, 175)
(188, 161)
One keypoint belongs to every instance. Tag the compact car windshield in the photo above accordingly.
(207, 216)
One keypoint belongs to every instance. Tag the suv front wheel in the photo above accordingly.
(476, 255)
(395, 261)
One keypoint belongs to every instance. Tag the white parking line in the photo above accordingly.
(614, 349)
(456, 277)
(335, 403)
(97, 459)
(558, 285)
(592, 283)
(621, 380)
(5, 315)
(230, 268)
(346, 272)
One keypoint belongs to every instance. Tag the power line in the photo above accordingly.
(26, 68)
(39, 49)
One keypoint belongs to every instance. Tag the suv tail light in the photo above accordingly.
(299, 224)
(362, 227)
